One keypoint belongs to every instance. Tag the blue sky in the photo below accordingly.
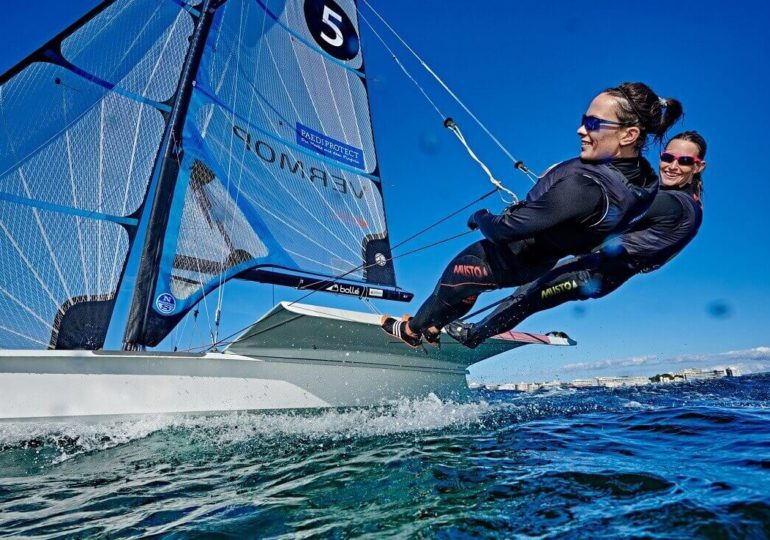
(528, 70)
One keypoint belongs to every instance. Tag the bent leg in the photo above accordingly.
(588, 276)
(471, 272)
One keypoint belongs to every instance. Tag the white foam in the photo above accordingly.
(406, 416)
(634, 405)
(74, 438)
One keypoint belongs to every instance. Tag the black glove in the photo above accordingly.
(473, 221)
(515, 206)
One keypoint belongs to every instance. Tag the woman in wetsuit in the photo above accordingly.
(668, 226)
(572, 209)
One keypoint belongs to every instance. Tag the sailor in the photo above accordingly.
(668, 226)
(574, 207)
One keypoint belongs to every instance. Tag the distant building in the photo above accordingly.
(615, 382)
(584, 383)
(665, 378)
(693, 374)
(526, 387)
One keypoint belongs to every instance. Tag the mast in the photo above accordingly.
(163, 183)
(259, 176)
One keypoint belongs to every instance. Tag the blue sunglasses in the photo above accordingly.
(593, 123)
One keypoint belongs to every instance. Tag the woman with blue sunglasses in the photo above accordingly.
(667, 227)
(574, 207)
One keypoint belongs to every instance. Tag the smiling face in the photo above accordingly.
(610, 141)
(674, 175)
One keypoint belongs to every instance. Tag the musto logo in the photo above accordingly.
(166, 303)
(558, 289)
(470, 270)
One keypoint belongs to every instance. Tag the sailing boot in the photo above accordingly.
(398, 329)
(431, 336)
(463, 332)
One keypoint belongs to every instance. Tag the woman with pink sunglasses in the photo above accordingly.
(668, 226)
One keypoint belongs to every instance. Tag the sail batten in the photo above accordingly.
(197, 141)
(81, 121)
(277, 170)
(70, 210)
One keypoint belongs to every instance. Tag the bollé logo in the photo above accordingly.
(345, 289)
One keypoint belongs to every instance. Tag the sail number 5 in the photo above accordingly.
(331, 28)
(332, 19)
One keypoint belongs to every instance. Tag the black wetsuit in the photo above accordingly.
(572, 209)
(668, 226)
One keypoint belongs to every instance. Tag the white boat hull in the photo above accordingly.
(296, 356)
(61, 384)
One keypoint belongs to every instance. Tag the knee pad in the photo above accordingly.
(590, 286)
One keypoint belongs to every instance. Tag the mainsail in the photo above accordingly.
(230, 138)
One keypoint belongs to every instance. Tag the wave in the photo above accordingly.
(685, 407)
(676, 461)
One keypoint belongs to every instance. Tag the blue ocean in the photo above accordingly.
(667, 461)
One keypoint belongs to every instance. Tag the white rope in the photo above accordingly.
(368, 303)
(400, 65)
(455, 129)
(495, 182)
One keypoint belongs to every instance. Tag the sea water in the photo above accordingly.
(665, 461)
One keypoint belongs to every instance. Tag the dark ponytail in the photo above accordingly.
(698, 140)
(639, 106)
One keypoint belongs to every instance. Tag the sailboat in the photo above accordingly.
(155, 150)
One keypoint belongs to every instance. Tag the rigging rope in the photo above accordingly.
(450, 124)
(454, 128)
(400, 65)
(415, 235)
(517, 163)
(362, 266)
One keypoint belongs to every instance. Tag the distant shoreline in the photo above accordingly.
(686, 375)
